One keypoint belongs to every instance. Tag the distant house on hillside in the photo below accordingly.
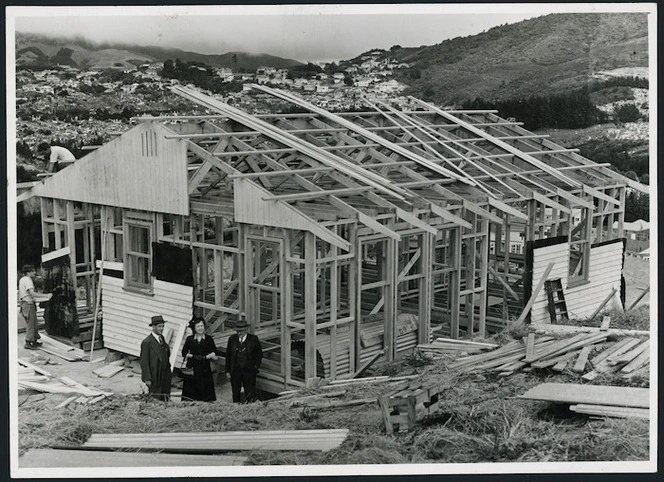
(638, 236)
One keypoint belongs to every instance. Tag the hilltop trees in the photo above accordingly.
(567, 111)
(199, 74)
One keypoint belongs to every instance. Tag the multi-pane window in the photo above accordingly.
(138, 254)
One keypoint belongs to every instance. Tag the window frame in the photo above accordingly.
(128, 254)
(584, 243)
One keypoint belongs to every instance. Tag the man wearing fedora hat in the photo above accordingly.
(243, 359)
(155, 364)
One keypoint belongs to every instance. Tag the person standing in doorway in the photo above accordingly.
(26, 296)
(243, 359)
(155, 363)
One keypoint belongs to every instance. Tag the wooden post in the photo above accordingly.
(426, 291)
(56, 223)
(310, 305)
(357, 295)
(536, 291)
(104, 231)
(389, 293)
(287, 293)
(334, 303)
(484, 263)
(246, 273)
(455, 280)
(471, 246)
(44, 225)
(621, 214)
(508, 230)
(352, 298)
(71, 242)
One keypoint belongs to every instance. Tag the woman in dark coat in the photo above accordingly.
(198, 350)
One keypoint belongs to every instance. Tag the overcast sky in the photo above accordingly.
(305, 33)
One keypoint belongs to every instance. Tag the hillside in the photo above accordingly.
(37, 49)
(542, 56)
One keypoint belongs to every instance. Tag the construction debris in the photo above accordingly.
(448, 345)
(402, 408)
(561, 354)
(37, 369)
(209, 442)
(107, 371)
(34, 458)
(35, 378)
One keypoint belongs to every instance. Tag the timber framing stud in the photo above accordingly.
(341, 237)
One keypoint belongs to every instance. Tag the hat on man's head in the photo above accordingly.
(157, 320)
(241, 324)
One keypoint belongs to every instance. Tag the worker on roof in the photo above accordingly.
(59, 157)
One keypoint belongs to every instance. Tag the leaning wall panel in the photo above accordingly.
(582, 300)
(127, 314)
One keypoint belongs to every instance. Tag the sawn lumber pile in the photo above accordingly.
(210, 442)
(598, 400)
(629, 356)
(442, 346)
(61, 350)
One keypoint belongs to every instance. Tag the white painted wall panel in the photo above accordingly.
(123, 173)
(582, 300)
(127, 314)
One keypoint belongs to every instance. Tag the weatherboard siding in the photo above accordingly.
(582, 300)
(127, 314)
(140, 169)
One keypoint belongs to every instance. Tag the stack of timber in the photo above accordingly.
(210, 442)
(630, 356)
(61, 350)
(442, 346)
(403, 407)
(345, 383)
(597, 400)
(43, 458)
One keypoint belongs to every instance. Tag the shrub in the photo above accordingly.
(627, 113)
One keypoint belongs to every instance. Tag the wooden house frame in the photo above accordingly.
(338, 236)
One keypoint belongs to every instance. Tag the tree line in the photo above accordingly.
(572, 110)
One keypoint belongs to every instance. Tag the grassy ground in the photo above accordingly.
(478, 421)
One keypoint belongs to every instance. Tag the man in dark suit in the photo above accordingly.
(155, 364)
(243, 359)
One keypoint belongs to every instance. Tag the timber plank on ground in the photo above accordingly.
(606, 411)
(573, 393)
(35, 458)
(322, 440)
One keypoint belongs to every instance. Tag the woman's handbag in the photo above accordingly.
(187, 372)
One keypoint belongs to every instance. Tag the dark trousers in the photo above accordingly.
(29, 312)
(161, 387)
(244, 377)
